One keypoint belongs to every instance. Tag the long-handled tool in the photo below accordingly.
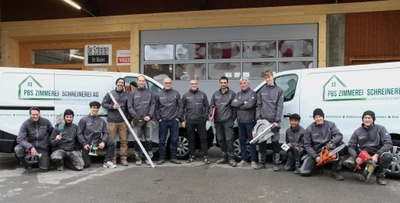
(132, 131)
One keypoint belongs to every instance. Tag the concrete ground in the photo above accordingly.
(194, 182)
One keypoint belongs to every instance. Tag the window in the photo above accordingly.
(190, 71)
(255, 70)
(288, 84)
(153, 88)
(159, 52)
(131, 84)
(259, 49)
(230, 70)
(158, 71)
(296, 48)
(190, 51)
(61, 56)
(293, 65)
(223, 50)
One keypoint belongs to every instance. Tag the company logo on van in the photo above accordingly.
(336, 90)
(31, 89)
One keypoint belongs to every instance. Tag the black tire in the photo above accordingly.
(238, 151)
(183, 146)
(394, 168)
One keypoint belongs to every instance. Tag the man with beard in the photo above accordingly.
(33, 139)
(223, 120)
(64, 141)
(93, 131)
(115, 121)
(141, 107)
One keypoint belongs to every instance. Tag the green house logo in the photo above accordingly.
(336, 90)
(31, 89)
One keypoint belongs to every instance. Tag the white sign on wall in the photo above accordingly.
(98, 55)
(123, 57)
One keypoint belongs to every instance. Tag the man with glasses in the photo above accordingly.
(33, 139)
(194, 113)
(167, 114)
(223, 117)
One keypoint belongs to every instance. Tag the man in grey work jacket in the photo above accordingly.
(92, 131)
(245, 103)
(194, 113)
(141, 106)
(319, 134)
(167, 113)
(33, 138)
(223, 120)
(294, 139)
(64, 141)
(376, 140)
(115, 121)
(270, 108)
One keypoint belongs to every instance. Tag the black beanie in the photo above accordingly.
(118, 80)
(318, 112)
(369, 113)
(295, 116)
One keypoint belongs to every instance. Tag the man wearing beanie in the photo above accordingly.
(115, 121)
(294, 139)
(376, 140)
(270, 108)
(64, 141)
(319, 134)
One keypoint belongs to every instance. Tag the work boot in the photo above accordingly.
(337, 176)
(380, 181)
(350, 163)
(276, 161)
(190, 160)
(175, 161)
(242, 163)
(147, 162)
(259, 166)
(59, 164)
(206, 161)
(222, 160)
(27, 167)
(124, 162)
(232, 162)
(138, 161)
(297, 166)
(161, 162)
(253, 164)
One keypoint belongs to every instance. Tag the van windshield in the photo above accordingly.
(288, 84)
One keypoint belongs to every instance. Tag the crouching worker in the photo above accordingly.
(64, 141)
(294, 140)
(93, 134)
(321, 133)
(33, 142)
(374, 139)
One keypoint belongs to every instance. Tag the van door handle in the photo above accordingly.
(287, 115)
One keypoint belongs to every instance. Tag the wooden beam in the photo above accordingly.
(135, 48)
(9, 50)
(194, 16)
(322, 48)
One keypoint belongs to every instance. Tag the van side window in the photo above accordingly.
(153, 88)
(130, 84)
(288, 83)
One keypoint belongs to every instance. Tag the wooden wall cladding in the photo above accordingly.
(26, 47)
(57, 9)
(372, 37)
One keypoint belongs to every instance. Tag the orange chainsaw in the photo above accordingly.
(328, 156)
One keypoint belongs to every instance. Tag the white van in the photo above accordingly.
(53, 91)
(344, 93)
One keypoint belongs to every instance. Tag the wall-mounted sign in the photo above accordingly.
(123, 57)
(98, 55)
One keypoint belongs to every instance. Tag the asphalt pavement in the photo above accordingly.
(194, 182)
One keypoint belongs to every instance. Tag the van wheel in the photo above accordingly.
(394, 168)
(238, 152)
(182, 151)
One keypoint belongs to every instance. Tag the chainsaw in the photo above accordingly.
(369, 167)
(328, 156)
